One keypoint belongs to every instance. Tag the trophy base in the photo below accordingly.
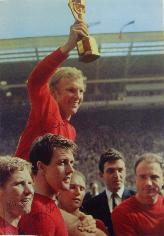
(87, 49)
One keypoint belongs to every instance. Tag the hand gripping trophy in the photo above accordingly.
(86, 46)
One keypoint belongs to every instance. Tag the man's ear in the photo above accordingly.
(1, 191)
(135, 178)
(53, 91)
(41, 167)
(100, 174)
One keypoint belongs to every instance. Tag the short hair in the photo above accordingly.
(79, 173)
(110, 155)
(150, 158)
(92, 184)
(43, 147)
(66, 72)
(8, 165)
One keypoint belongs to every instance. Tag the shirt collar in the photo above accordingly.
(119, 192)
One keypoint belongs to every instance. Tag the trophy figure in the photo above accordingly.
(86, 46)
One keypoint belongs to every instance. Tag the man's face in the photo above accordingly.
(58, 173)
(114, 175)
(149, 180)
(69, 95)
(17, 193)
(71, 199)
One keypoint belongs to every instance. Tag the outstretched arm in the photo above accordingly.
(46, 68)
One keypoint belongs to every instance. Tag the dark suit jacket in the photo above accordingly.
(99, 209)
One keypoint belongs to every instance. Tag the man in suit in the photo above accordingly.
(113, 172)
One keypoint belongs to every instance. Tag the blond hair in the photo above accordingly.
(66, 72)
(8, 165)
(150, 158)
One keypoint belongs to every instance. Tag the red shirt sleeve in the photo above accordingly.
(121, 224)
(43, 72)
(40, 224)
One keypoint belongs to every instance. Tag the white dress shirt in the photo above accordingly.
(118, 198)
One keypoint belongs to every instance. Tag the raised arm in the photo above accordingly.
(46, 68)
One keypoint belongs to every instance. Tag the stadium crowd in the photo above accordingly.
(132, 132)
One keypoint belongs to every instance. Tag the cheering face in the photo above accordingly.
(149, 180)
(58, 173)
(69, 96)
(71, 199)
(17, 193)
(114, 175)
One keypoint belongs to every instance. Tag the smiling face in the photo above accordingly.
(71, 199)
(69, 96)
(149, 180)
(17, 194)
(58, 173)
(114, 175)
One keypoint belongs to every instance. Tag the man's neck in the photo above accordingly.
(41, 187)
(66, 117)
(118, 191)
(9, 217)
(150, 200)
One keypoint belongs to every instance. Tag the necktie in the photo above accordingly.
(113, 200)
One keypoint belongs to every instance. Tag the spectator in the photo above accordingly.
(143, 214)
(16, 193)
(52, 105)
(93, 191)
(113, 172)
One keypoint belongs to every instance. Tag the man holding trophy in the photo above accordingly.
(56, 94)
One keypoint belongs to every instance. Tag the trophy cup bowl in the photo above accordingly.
(86, 46)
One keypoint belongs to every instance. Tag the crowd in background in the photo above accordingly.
(130, 131)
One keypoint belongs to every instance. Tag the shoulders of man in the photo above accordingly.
(41, 206)
(44, 216)
(6, 228)
(128, 205)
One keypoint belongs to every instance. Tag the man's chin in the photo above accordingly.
(27, 210)
(74, 110)
(65, 186)
(117, 187)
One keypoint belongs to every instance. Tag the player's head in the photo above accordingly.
(16, 187)
(68, 87)
(52, 157)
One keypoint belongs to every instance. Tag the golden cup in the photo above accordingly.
(86, 46)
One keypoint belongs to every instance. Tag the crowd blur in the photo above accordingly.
(133, 132)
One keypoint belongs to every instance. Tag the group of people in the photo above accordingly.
(42, 194)
(28, 212)
(45, 196)
(126, 211)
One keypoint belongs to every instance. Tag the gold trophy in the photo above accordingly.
(86, 46)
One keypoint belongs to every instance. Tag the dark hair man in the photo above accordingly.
(16, 193)
(113, 172)
(55, 95)
(52, 158)
(143, 214)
